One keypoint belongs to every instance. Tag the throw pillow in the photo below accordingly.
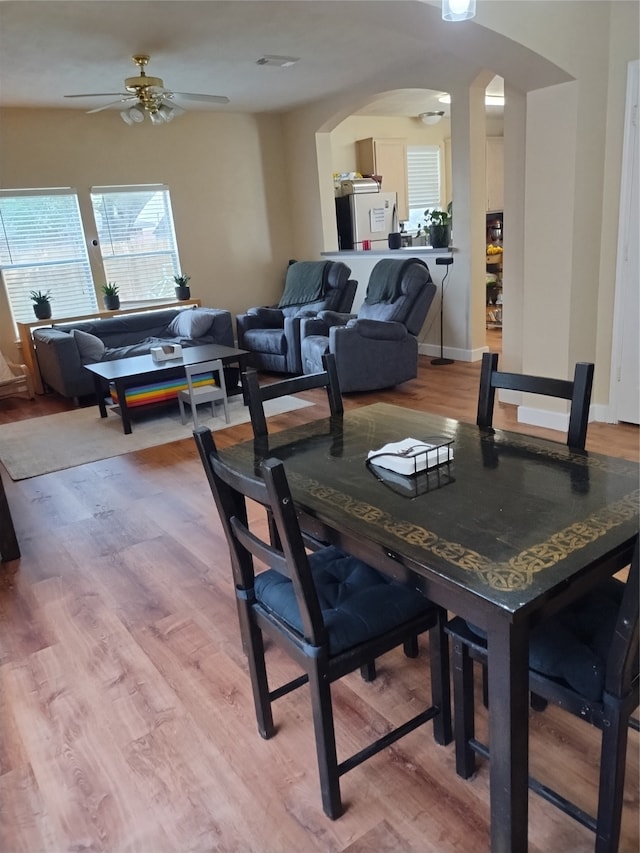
(192, 323)
(91, 347)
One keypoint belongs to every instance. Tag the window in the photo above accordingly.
(137, 240)
(42, 247)
(423, 173)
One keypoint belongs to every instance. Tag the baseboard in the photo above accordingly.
(455, 353)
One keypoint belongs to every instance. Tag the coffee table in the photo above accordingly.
(127, 372)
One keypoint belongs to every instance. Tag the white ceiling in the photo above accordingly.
(49, 49)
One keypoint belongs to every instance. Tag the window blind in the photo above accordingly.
(42, 247)
(423, 174)
(137, 240)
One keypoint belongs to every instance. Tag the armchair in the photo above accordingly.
(272, 334)
(378, 347)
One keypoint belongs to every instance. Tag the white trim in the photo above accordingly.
(629, 152)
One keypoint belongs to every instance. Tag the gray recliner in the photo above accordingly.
(272, 335)
(378, 347)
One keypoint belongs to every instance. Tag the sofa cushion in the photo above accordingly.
(91, 348)
(190, 324)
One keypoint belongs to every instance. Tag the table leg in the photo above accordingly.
(9, 548)
(508, 650)
(97, 382)
(121, 391)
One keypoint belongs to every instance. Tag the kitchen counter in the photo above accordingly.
(418, 251)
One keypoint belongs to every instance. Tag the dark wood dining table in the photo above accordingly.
(511, 530)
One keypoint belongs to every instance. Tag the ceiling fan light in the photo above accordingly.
(458, 10)
(135, 114)
(156, 117)
(431, 117)
(166, 112)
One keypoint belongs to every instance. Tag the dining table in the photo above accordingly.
(504, 533)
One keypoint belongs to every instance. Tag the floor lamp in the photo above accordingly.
(446, 262)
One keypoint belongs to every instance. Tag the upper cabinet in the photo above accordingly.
(386, 157)
(495, 172)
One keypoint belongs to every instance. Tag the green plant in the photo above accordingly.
(437, 217)
(110, 289)
(181, 280)
(40, 298)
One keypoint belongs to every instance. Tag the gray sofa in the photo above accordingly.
(63, 349)
(378, 347)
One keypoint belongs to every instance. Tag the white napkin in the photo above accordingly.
(399, 456)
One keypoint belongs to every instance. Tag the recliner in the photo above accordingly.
(272, 334)
(378, 347)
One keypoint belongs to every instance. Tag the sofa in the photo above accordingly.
(63, 349)
(272, 334)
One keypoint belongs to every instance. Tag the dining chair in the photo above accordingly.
(203, 389)
(256, 394)
(585, 660)
(577, 391)
(331, 613)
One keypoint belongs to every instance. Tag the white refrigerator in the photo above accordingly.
(365, 216)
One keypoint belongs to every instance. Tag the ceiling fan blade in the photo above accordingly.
(96, 95)
(111, 104)
(212, 99)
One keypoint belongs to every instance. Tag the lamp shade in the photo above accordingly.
(458, 10)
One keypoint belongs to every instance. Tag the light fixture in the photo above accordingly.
(458, 10)
(489, 100)
(432, 117)
(133, 115)
(278, 61)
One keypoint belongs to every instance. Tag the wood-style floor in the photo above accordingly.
(126, 717)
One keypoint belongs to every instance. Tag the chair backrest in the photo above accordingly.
(214, 366)
(415, 292)
(338, 290)
(577, 391)
(256, 395)
(230, 490)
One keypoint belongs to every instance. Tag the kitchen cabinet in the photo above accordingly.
(495, 172)
(386, 157)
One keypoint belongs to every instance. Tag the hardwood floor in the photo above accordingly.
(126, 717)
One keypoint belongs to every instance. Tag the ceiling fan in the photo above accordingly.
(148, 96)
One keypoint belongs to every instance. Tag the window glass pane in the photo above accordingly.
(42, 247)
(423, 173)
(137, 240)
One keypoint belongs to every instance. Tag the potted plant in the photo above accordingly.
(439, 224)
(41, 304)
(183, 291)
(111, 298)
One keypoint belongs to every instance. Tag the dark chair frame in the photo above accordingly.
(256, 395)
(309, 650)
(611, 714)
(577, 391)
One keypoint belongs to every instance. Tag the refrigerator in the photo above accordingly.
(365, 216)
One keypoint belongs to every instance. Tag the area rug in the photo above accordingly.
(54, 442)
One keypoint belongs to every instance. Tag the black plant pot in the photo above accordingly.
(439, 236)
(183, 292)
(112, 303)
(42, 310)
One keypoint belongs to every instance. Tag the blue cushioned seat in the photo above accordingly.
(573, 645)
(357, 602)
